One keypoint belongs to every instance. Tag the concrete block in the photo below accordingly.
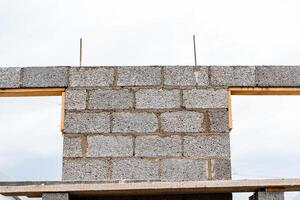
(221, 169)
(134, 122)
(186, 76)
(136, 169)
(267, 196)
(72, 147)
(205, 98)
(109, 146)
(110, 99)
(155, 146)
(138, 76)
(45, 77)
(91, 76)
(182, 121)
(85, 170)
(184, 170)
(278, 76)
(232, 75)
(10, 77)
(75, 99)
(207, 146)
(55, 196)
(157, 99)
(219, 121)
(84, 122)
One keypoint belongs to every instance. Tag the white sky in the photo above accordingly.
(140, 32)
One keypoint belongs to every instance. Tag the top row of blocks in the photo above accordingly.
(202, 76)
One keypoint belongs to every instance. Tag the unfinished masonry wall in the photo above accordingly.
(167, 123)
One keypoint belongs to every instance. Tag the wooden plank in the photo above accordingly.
(264, 91)
(62, 120)
(274, 189)
(31, 92)
(35, 189)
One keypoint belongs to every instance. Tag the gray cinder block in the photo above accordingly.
(84, 122)
(136, 169)
(85, 170)
(205, 98)
(72, 147)
(75, 99)
(10, 77)
(184, 170)
(182, 121)
(91, 76)
(267, 196)
(221, 169)
(157, 99)
(55, 196)
(232, 75)
(110, 99)
(126, 122)
(207, 146)
(155, 146)
(219, 121)
(109, 146)
(139, 76)
(45, 77)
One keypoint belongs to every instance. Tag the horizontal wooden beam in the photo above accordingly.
(264, 91)
(24, 92)
(35, 189)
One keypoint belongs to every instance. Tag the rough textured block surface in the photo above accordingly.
(184, 170)
(75, 99)
(10, 77)
(85, 170)
(138, 169)
(154, 146)
(201, 98)
(232, 75)
(157, 99)
(219, 121)
(109, 146)
(72, 147)
(182, 121)
(55, 196)
(278, 76)
(138, 76)
(186, 76)
(267, 196)
(45, 77)
(134, 122)
(206, 146)
(221, 169)
(91, 76)
(110, 99)
(86, 122)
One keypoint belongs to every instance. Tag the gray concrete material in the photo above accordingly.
(110, 99)
(75, 99)
(138, 169)
(85, 170)
(84, 122)
(207, 146)
(45, 77)
(157, 99)
(278, 76)
(138, 76)
(267, 196)
(185, 76)
(10, 77)
(183, 170)
(221, 169)
(109, 146)
(182, 121)
(205, 98)
(232, 75)
(156, 146)
(72, 147)
(219, 121)
(55, 196)
(91, 76)
(126, 122)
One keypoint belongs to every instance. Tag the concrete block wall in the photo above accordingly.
(166, 123)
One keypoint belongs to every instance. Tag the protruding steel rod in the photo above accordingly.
(195, 53)
(80, 56)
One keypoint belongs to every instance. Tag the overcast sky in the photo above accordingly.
(134, 32)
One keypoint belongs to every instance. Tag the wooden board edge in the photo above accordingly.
(264, 90)
(62, 120)
(27, 92)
